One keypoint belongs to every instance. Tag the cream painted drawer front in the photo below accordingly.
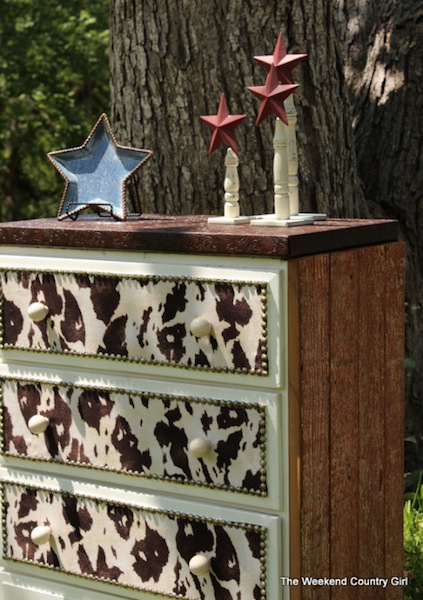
(148, 319)
(143, 548)
(213, 443)
(15, 592)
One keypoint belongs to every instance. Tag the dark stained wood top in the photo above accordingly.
(192, 235)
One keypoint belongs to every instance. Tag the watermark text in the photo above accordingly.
(353, 581)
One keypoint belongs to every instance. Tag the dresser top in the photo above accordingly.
(192, 235)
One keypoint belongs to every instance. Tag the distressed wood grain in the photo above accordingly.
(344, 421)
(347, 378)
(315, 500)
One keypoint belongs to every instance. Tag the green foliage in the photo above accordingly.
(53, 86)
(413, 541)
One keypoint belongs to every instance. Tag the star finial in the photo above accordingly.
(284, 62)
(272, 96)
(96, 173)
(223, 125)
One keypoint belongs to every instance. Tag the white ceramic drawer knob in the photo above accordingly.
(38, 424)
(41, 535)
(201, 326)
(199, 447)
(199, 564)
(37, 311)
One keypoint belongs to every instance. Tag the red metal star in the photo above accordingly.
(272, 96)
(223, 125)
(283, 61)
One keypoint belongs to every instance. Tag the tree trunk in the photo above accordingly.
(359, 114)
(171, 61)
(384, 70)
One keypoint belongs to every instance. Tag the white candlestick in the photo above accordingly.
(291, 112)
(231, 211)
(280, 172)
(231, 185)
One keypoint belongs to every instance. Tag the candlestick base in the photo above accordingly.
(228, 220)
(314, 216)
(271, 221)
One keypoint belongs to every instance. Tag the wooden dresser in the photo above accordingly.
(200, 412)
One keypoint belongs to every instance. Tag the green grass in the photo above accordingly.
(413, 541)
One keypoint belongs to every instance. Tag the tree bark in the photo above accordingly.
(384, 71)
(171, 61)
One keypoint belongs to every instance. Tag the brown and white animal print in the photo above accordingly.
(138, 318)
(146, 549)
(141, 433)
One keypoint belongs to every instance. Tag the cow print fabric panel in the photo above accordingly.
(146, 549)
(144, 319)
(138, 433)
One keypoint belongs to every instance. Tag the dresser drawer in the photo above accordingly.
(186, 322)
(202, 442)
(161, 551)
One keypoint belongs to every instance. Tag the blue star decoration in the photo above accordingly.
(96, 173)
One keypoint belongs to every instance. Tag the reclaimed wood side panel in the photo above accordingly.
(371, 397)
(350, 331)
(344, 420)
(394, 413)
(313, 287)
